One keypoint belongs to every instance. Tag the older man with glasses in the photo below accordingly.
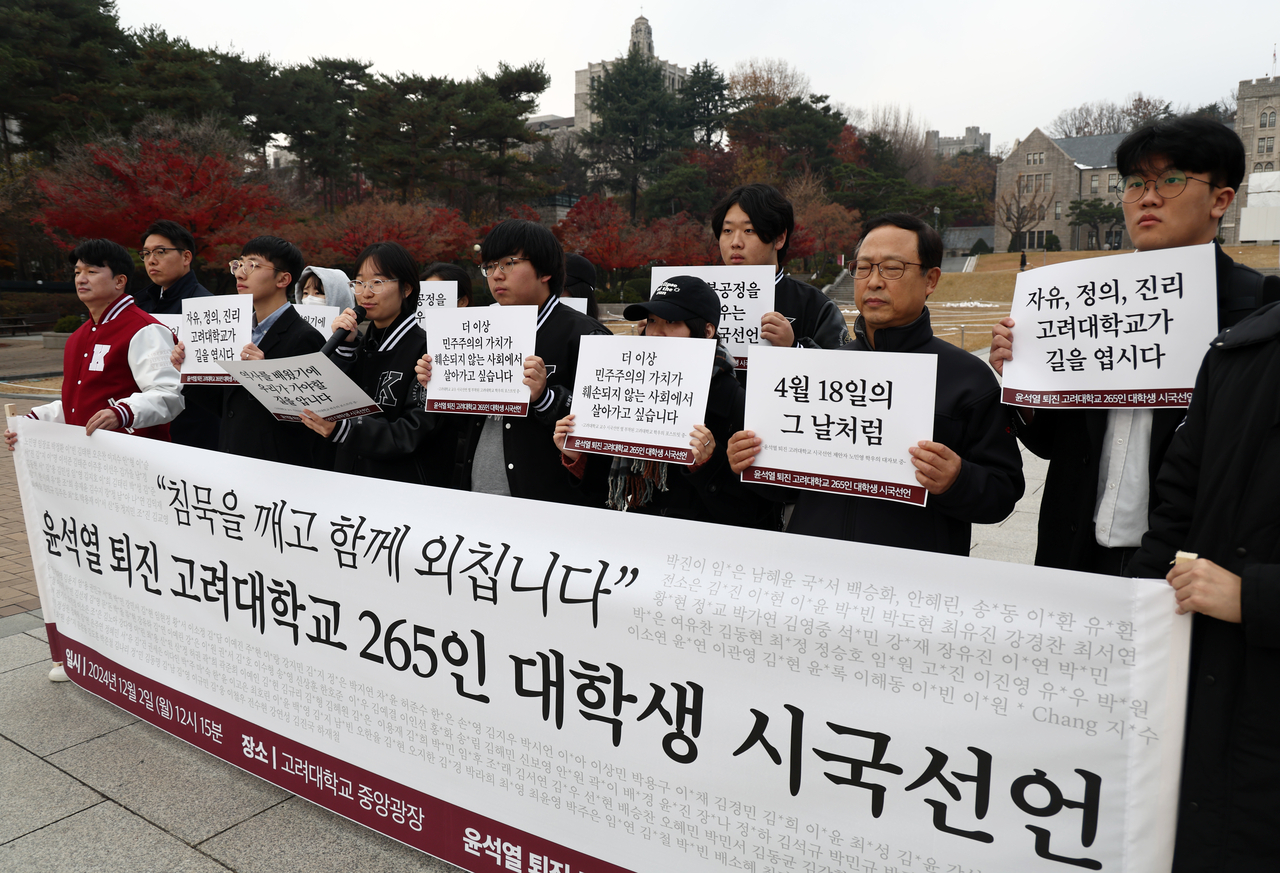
(971, 467)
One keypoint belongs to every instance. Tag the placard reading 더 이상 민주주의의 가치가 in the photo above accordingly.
(1120, 331)
(477, 359)
(640, 396)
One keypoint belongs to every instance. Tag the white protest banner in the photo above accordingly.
(286, 386)
(1113, 332)
(477, 359)
(746, 294)
(318, 316)
(435, 294)
(578, 303)
(484, 679)
(841, 421)
(214, 329)
(640, 396)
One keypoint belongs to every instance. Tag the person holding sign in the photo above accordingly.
(971, 468)
(116, 372)
(265, 270)
(683, 306)
(516, 456)
(754, 224)
(386, 444)
(1179, 178)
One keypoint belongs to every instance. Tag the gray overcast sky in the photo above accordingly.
(1005, 66)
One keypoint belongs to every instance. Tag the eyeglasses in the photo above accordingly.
(1170, 184)
(247, 266)
(158, 251)
(888, 269)
(375, 286)
(488, 268)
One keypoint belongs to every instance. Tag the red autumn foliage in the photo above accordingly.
(601, 232)
(680, 240)
(429, 233)
(827, 228)
(116, 190)
(848, 148)
(523, 212)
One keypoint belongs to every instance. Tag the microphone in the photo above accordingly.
(340, 333)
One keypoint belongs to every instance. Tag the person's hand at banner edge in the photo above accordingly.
(743, 448)
(423, 369)
(107, 419)
(251, 352)
(10, 439)
(318, 424)
(775, 328)
(937, 467)
(1001, 344)
(703, 443)
(178, 355)
(347, 321)
(535, 376)
(564, 427)
(1204, 587)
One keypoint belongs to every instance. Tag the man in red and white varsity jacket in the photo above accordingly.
(115, 370)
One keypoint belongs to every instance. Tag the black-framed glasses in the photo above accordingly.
(1170, 184)
(158, 251)
(888, 269)
(247, 266)
(504, 265)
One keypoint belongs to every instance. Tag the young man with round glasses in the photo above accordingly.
(1179, 178)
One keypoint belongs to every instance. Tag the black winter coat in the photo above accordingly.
(1071, 440)
(196, 425)
(246, 427)
(1219, 496)
(815, 318)
(970, 420)
(387, 444)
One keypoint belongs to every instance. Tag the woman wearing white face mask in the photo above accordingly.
(324, 287)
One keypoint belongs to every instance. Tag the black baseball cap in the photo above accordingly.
(579, 271)
(679, 299)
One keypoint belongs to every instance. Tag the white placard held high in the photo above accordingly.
(746, 294)
(286, 386)
(640, 396)
(1123, 331)
(214, 329)
(477, 359)
(841, 421)
(435, 294)
(318, 316)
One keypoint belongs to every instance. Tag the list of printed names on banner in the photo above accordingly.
(746, 294)
(477, 358)
(287, 386)
(841, 421)
(1118, 331)
(640, 397)
(660, 700)
(214, 329)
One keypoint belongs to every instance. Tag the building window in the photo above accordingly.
(1093, 184)
(1262, 144)
(1270, 166)
(1042, 210)
(1057, 211)
(1112, 178)
(1257, 168)
(1048, 181)
(1092, 242)
(1030, 157)
(1273, 119)
(1262, 120)
(1271, 144)
(1113, 238)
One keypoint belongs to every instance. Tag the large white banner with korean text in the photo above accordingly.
(1126, 330)
(512, 688)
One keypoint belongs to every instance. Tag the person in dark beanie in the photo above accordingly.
(682, 306)
(580, 281)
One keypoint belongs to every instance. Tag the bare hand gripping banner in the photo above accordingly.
(511, 688)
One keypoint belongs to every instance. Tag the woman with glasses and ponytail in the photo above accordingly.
(386, 444)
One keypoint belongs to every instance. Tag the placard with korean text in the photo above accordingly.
(286, 386)
(477, 358)
(214, 329)
(746, 294)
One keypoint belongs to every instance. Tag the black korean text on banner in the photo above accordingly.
(506, 687)
(214, 329)
(1112, 332)
(639, 396)
(435, 294)
(318, 316)
(746, 294)
(477, 358)
(841, 421)
(287, 386)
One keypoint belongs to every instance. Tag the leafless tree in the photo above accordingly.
(1089, 119)
(1021, 208)
(906, 134)
(767, 80)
